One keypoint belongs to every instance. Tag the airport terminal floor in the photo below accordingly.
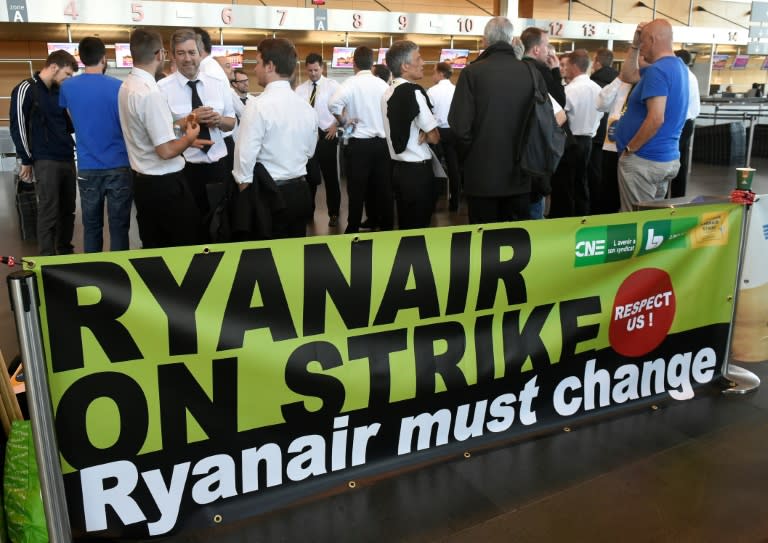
(694, 471)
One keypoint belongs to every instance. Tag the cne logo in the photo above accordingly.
(594, 247)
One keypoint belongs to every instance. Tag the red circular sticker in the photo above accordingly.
(642, 312)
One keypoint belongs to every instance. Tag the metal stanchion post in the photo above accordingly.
(743, 380)
(24, 303)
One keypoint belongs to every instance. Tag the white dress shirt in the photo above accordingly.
(414, 151)
(214, 93)
(694, 99)
(612, 98)
(441, 96)
(211, 66)
(361, 96)
(326, 88)
(581, 106)
(278, 129)
(147, 122)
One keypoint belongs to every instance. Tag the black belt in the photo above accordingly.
(300, 179)
(419, 163)
(139, 175)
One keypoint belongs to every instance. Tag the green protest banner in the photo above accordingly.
(244, 376)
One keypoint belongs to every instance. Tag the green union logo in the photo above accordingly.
(601, 244)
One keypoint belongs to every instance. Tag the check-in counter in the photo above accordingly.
(728, 128)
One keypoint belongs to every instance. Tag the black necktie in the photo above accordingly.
(244, 99)
(313, 95)
(205, 134)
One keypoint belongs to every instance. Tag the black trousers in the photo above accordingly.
(448, 148)
(198, 175)
(326, 164)
(680, 182)
(570, 188)
(291, 221)
(165, 210)
(368, 163)
(414, 186)
(610, 183)
(230, 158)
(595, 177)
(499, 208)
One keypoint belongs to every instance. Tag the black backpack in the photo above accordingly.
(543, 141)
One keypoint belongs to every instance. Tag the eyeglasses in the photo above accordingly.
(165, 52)
(237, 81)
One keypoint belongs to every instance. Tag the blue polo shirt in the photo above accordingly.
(92, 103)
(668, 77)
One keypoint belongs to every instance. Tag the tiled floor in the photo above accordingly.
(688, 472)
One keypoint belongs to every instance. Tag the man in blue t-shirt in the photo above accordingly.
(648, 134)
(103, 167)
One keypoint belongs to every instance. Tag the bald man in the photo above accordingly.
(648, 134)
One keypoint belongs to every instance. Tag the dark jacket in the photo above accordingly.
(488, 111)
(551, 78)
(253, 207)
(40, 128)
(603, 77)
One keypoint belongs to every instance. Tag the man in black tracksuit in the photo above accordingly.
(42, 134)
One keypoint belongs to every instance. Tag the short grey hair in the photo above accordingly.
(498, 30)
(398, 54)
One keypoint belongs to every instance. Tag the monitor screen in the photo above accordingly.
(71, 48)
(123, 58)
(740, 62)
(714, 89)
(234, 54)
(382, 56)
(342, 57)
(457, 58)
(719, 61)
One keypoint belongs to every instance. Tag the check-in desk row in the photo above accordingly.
(729, 128)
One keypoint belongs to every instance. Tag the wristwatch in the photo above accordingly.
(628, 150)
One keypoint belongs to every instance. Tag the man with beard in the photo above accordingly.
(166, 212)
(103, 171)
(190, 90)
(41, 133)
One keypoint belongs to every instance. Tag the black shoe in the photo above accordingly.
(334, 221)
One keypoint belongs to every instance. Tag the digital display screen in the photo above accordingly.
(457, 58)
(123, 58)
(234, 54)
(382, 59)
(719, 61)
(740, 62)
(342, 57)
(70, 48)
